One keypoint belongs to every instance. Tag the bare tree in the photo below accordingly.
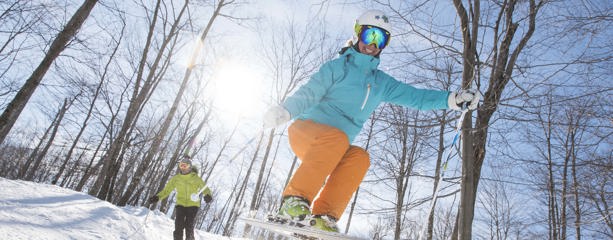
(504, 58)
(399, 155)
(159, 136)
(567, 143)
(92, 105)
(18, 21)
(502, 209)
(113, 158)
(503, 51)
(16, 106)
(30, 170)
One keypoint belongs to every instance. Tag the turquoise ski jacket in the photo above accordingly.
(346, 90)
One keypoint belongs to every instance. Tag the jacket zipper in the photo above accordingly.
(366, 98)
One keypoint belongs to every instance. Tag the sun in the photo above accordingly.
(236, 91)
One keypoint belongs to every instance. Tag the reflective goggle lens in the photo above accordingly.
(374, 35)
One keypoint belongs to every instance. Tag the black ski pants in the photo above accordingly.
(184, 219)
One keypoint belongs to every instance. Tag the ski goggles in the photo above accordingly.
(184, 165)
(373, 35)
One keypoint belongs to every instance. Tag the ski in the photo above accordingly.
(296, 230)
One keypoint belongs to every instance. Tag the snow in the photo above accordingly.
(40, 211)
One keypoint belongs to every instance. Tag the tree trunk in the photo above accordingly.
(474, 145)
(16, 106)
(551, 183)
(576, 189)
(437, 176)
(159, 137)
(88, 172)
(56, 125)
(112, 160)
(469, 162)
(220, 154)
(69, 179)
(23, 170)
(563, 195)
(258, 183)
(241, 193)
(92, 105)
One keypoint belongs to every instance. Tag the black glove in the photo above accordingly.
(154, 199)
(207, 198)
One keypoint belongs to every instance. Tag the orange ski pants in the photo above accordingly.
(330, 167)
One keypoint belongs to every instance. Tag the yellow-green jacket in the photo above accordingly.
(186, 185)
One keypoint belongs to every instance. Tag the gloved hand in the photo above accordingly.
(207, 198)
(275, 116)
(464, 96)
(154, 199)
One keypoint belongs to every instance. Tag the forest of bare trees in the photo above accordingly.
(105, 97)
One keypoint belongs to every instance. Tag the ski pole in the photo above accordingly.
(444, 167)
(146, 217)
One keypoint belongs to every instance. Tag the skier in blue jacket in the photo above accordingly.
(329, 111)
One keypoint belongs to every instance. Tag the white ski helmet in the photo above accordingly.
(373, 18)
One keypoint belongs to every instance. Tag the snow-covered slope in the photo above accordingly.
(39, 211)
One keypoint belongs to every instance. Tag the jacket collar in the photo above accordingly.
(362, 61)
(188, 174)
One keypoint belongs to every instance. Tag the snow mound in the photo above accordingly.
(40, 211)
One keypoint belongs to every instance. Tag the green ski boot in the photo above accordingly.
(294, 208)
(324, 223)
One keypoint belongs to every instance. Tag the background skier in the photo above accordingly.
(329, 111)
(187, 184)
